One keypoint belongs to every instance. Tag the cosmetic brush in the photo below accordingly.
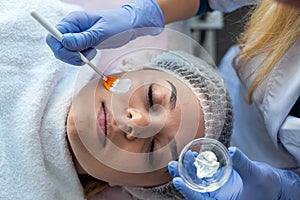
(111, 83)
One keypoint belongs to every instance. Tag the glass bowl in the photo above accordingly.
(204, 165)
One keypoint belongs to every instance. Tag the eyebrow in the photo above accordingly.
(173, 97)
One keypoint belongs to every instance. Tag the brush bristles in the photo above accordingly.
(108, 84)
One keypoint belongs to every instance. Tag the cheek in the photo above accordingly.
(71, 128)
(191, 124)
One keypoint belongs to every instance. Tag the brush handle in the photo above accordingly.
(58, 35)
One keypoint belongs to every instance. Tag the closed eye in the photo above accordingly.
(152, 145)
(150, 96)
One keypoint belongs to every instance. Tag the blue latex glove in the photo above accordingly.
(84, 31)
(259, 181)
(233, 182)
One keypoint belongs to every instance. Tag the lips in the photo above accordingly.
(104, 120)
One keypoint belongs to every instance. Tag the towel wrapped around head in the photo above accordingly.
(36, 90)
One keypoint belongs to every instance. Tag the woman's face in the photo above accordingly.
(128, 139)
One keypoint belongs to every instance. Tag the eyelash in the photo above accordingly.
(152, 145)
(150, 99)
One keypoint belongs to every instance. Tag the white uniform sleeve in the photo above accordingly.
(289, 136)
(229, 5)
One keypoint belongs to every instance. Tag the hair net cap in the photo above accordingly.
(207, 84)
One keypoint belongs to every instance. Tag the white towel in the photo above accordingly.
(35, 93)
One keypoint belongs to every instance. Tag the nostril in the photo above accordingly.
(129, 115)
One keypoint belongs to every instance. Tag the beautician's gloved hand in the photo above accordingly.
(230, 190)
(259, 181)
(84, 31)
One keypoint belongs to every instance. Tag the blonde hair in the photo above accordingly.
(271, 31)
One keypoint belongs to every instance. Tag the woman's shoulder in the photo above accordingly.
(280, 90)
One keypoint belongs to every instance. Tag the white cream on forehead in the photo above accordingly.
(206, 164)
(121, 86)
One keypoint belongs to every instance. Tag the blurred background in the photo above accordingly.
(218, 31)
(215, 31)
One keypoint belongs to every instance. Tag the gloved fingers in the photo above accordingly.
(173, 169)
(76, 22)
(189, 157)
(67, 27)
(243, 165)
(61, 53)
(68, 56)
(89, 53)
(188, 164)
(81, 41)
(53, 43)
(232, 189)
(235, 181)
(187, 192)
(77, 30)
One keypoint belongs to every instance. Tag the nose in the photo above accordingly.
(138, 118)
(142, 124)
(138, 124)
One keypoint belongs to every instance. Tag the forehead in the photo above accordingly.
(145, 76)
(147, 72)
